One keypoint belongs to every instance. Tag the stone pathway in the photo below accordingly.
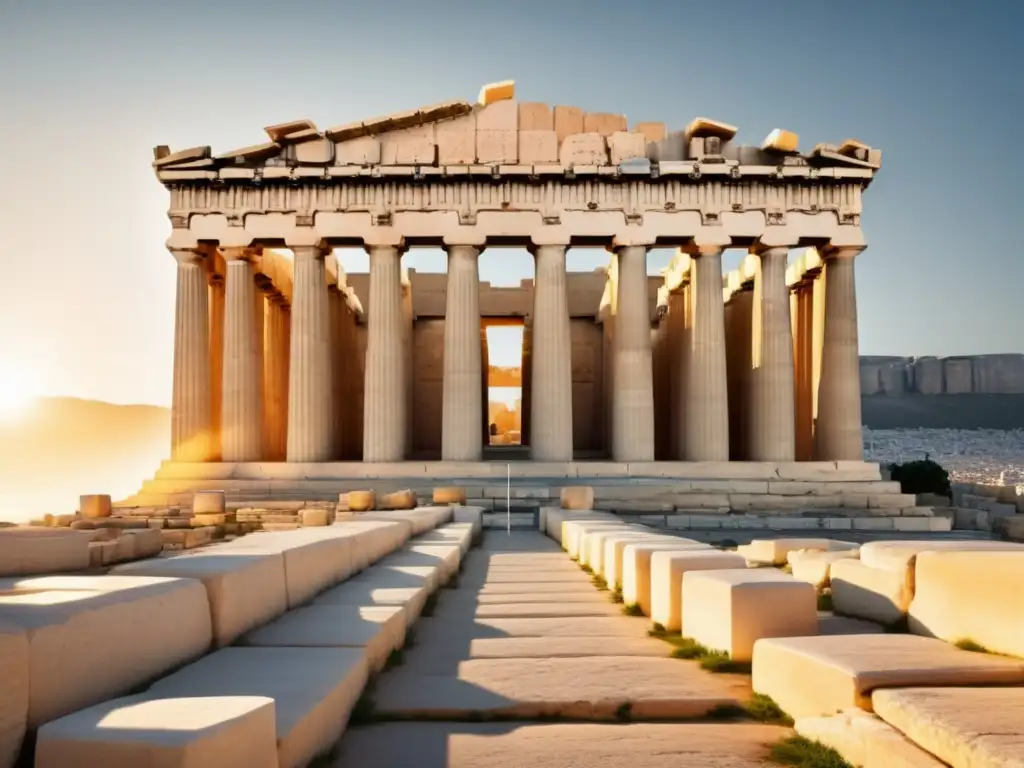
(526, 639)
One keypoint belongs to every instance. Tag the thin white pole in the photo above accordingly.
(508, 501)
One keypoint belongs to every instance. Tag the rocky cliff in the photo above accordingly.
(975, 374)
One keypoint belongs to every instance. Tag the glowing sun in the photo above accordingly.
(17, 395)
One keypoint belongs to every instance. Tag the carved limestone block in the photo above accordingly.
(538, 147)
(624, 146)
(583, 149)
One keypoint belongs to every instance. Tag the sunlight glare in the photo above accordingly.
(17, 394)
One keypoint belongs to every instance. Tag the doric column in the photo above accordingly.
(803, 331)
(216, 360)
(242, 407)
(707, 415)
(408, 346)
(461, 439)
(275, 378)
(738, 348)
(526, 374)
(309, 375)
(678, 346)
(817, 346)
(838, 432)
(633, 395)
(772, 436)
(551, 405)
(190, 401)
(336, 311)
(384, 401)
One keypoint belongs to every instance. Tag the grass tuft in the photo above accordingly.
(599, 582)
(657, 630)
(720, 662)
(966, 644)
(625, 712)
(825, 601)
(799, 752)
(575, 559)
(764, 708)
(632, 610)
(586, 569)
(617, 594)
(726, 712)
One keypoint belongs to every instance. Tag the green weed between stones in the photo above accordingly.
(632, 610)
(599, 582)
(617, 594)
(764, 708)
(799, 752)
(689, 649)
(825, 601)
(586, 569)
(624, 713)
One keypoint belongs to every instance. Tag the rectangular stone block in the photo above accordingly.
(409, 146)
(208, 502)
(535, 116)
(14, 703)
(94, 505)
(123, 630)
(591, 547)
(651, 131)
(603, 123)
(34, 551)
(363, 151)
(313, 689)
(377, 630)
(730, 610)
(816, 676)
(865, 740)
(497, 133)
(537, 147)
(815, 567)
(891, 500)
(777, 551)
(245, 590)
(624, 146)
(919, 524)
(583, 149)
(667, 569)
(568, 120)
(319, 151)
(209, 732)
(970, 596)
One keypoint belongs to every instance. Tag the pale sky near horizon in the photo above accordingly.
(87, 89)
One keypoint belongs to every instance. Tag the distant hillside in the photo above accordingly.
(66, 447)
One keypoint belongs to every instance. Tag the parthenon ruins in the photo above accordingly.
(285, 358)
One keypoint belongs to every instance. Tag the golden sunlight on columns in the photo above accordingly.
(633, 394)
(309, 375)
(707, 414)
(817, 346)
(660, 366)
(838, 433)
(772, 436)
(275, 377)
(190, 400)
(676, 351)
(461, 439)
(551, 375)
(384, 404)
(242, 404)
(216, 360)
(802, 309)
(738, 314)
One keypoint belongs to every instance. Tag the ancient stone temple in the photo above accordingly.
(288, 371)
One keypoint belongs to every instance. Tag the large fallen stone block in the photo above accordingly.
(32, 551)
(865, 741)
(398, 500)
(449, 495)
(636, 567)
(900, 556)
(472, 515)
(730, 610)
(963, 727)
(876, 594)
(14, 672)
(459, 534)
(379, 629)
(245, 589)
(815, 567)
(592, 541)
(377, 588)
(614, 550)
(775, 551)
(207, 732)
(375, 538)
(667, 569)
(314, 558)
(816, 676)
(446, 557)
(360, 501)
(972, 596)
(572, 531)
(95, 637)
(314, 690)
(553, 517)
(208, 503)
(94, 505)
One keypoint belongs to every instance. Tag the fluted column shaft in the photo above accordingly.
(551, 406)
(633, 395)
(335, 311)
(241, 405)
(803, 364)
(384, 403)
(707, 415)
(190, 399)
(408, 346)
(462, 409)
(217, 296)
(772, 434)
(310, 435)
(838, 433)
(275, 378)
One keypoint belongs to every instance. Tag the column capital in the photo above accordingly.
(310, 252)
(463, 249)
(476, 239)
(186, 256)
(701, 247)
(760, 248)
(841, 252)
(776, 237)
(243, 253)
(384, 248)
(628, 239)
(305, 237)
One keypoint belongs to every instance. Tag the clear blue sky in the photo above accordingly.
(88, 88)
